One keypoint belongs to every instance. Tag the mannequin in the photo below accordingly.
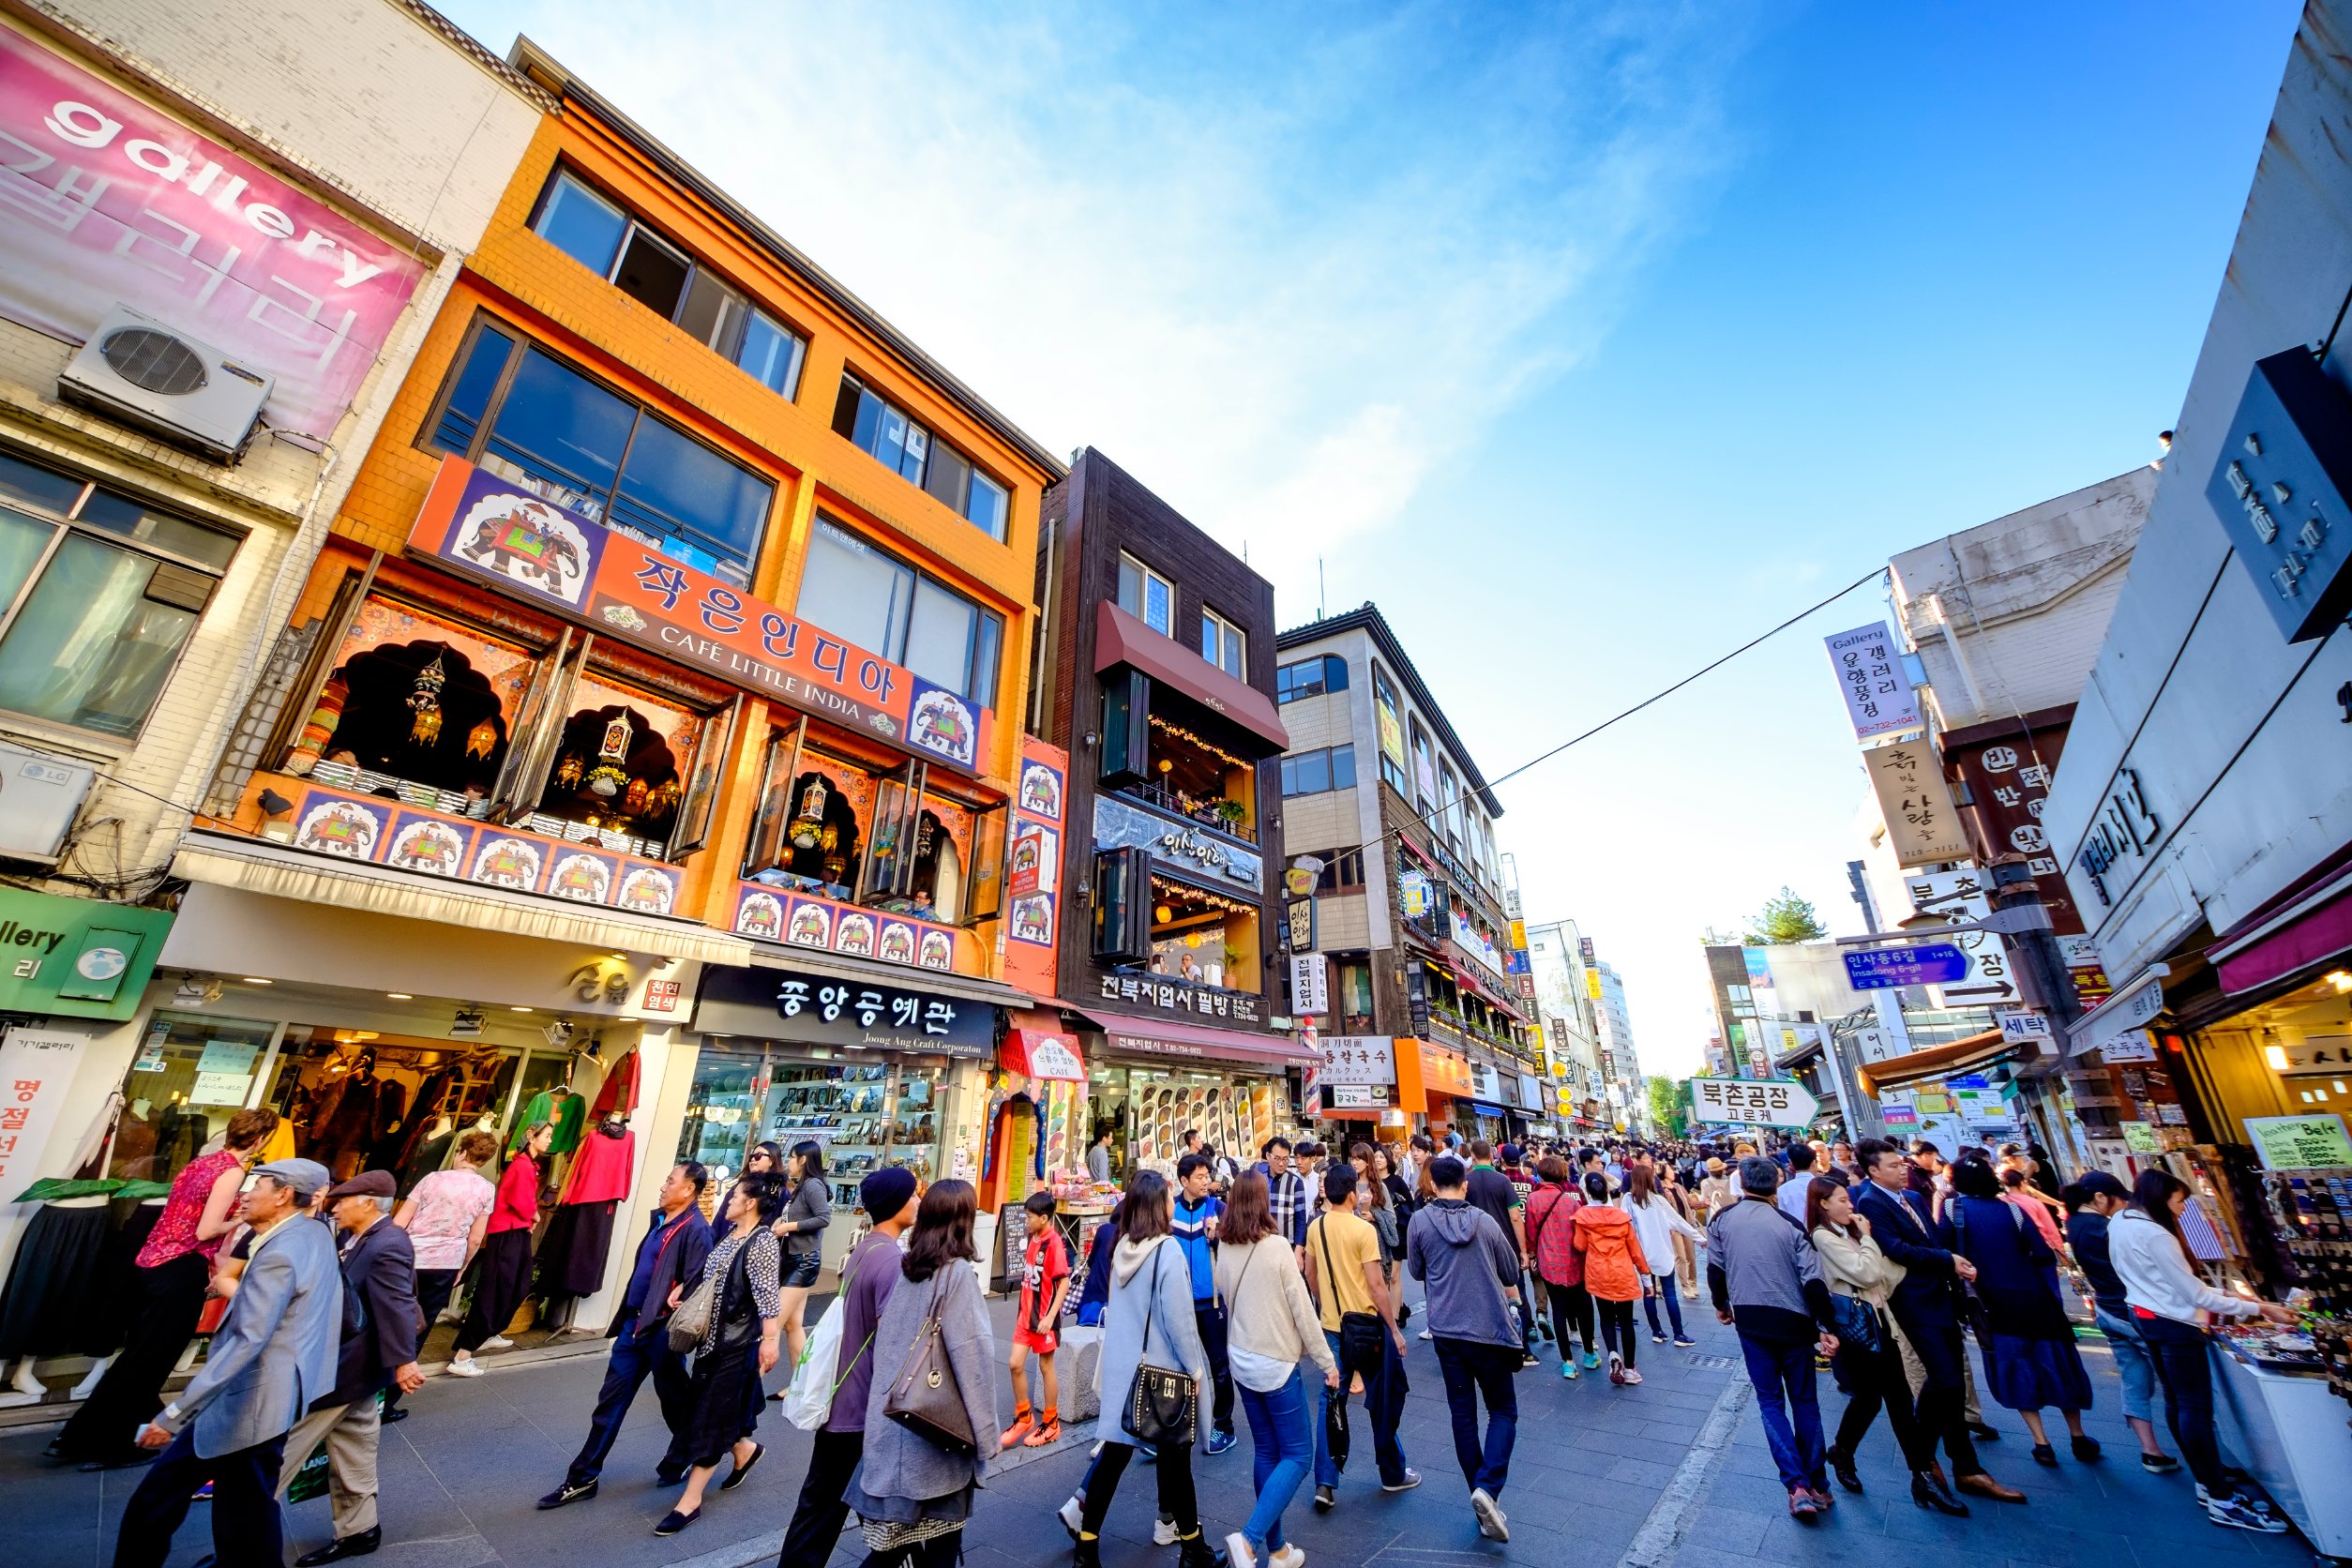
(579, 1235)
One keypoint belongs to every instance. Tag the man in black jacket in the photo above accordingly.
(672, 1251)
(1924, 1304)
(381, 1331)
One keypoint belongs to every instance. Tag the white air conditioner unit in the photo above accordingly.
(39, 796)
(148, 374)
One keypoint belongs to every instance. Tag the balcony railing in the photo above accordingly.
(1203, 811)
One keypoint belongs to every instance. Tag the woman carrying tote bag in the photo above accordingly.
(911, 1492)
(1148, 1327)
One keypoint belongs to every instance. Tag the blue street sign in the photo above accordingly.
(1934, 963)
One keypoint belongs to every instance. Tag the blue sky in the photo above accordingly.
(1587, 339)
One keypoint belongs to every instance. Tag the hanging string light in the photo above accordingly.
(1179, 732)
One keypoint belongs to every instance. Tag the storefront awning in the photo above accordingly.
(1038, 1046)
(2275, 943)
(254, 866)
(1152, 1038)
(1937, 1062)
(1121, 639)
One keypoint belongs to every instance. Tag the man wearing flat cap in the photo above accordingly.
(380, 1330)
(272, 1356)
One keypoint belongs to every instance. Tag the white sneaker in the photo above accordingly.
(1073, 1516)
(1164, 1533)
(1287, 1557)
(1492, 1523)
(498, 1342)
(467, 1368)
(2236, 1514)
(1237, 1552)
(1426, 1335)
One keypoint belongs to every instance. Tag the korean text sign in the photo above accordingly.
(105, 200)
(1922, 824)
(1879, 695)
(489, 527)
(823, 1009)
(1765, 1101)
(36, 1071)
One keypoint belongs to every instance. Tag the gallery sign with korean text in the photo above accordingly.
(1878, 696)
(1922, 824)
(1763, 1102)
(1924, 964)
(107, 200)
(617, 585)
(811, 1008)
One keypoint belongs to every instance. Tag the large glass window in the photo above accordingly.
(189, 1077)
(866, 596)
(511, 403)
(1310, 677)
(92, 626)
(1312, 773)
(900, 443)
(659, 275)
(1147, 596)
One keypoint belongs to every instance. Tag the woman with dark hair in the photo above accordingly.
(1149, 1317)
(2170, 1306)
(1658, 1223)
(2025, 1337)
(2017, 1194)
(1853, 1266)
(913, 1496)
(1551, 1241)
(1272, 1325)
(802, 1228)
(501, 1272)
(765, 1159)
(1616, 1272)
(740, 1344)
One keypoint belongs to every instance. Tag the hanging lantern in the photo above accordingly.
(633, 798)
(569, 771)
(666, 796)
(424, 700)
(830, 840)
(808, 824)
(616, 740)
(1163, 914)
(482, 739)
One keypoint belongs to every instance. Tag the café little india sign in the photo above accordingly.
(490, 528)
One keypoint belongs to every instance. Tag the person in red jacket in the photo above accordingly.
(1551, 1238)
(504, 1271)
(1616, 1274)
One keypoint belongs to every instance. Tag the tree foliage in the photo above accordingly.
(1668, 1110)
(1785, 919)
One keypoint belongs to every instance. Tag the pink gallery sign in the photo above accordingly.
(105, 200)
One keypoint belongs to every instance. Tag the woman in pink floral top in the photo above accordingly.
(168, 1290)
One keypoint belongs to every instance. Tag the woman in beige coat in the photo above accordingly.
(1853, 1266)
(1271, 1326)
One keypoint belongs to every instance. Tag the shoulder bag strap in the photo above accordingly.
(1152, 1306)
(1331, 1278)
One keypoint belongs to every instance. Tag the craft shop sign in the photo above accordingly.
(825, 1009)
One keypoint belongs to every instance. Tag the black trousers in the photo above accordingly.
(2181, 1365)
(433, 1289)
(1943, 1396)
(246, 1531)
(501, 1277)
(1572, 1305)
(1617, 1328)
(168, 1298)
(816, 1527)
(1178, 1501)
(1211, 1318)
(635, 1358)
(1874, 1381)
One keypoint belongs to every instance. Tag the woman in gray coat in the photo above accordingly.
(912, 1494)
(1148, 1317)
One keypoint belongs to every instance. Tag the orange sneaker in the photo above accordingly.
(1047, 1433)
(1022, 1421)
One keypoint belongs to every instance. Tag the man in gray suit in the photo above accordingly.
(274, 1353)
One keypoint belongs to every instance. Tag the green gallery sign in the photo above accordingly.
(79, 958)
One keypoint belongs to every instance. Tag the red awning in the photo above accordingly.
(2317, 928)
(1120, 639)
(1038, 1046)
(1197, 1042)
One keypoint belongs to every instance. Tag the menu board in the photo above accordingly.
(2299, 1142)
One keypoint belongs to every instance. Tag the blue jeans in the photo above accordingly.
(637, 1356)
(2134, 1363)
(1278, 1426)
(1782, 1371)
(1674, 1306)
(1476, 1372)
(1384, 1401)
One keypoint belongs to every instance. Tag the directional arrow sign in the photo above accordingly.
(1934, 963)
(1767, 1101)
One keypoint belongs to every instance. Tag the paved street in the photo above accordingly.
(1643, 1476)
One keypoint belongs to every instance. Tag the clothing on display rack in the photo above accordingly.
(106, 1310)
(48, 1292)
(600, 1172)
(579, 1236)
(559, 1106)
(618, 1097)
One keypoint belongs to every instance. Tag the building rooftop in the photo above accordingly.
(1367, 617)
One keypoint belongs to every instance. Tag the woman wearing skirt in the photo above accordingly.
(740, 1344)
(502, 1274)
(2029, 1346)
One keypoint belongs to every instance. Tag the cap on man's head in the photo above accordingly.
(1758, 1173)
(884, 1193)
(368, 1183)
(305, 1176)
(1511, 1153)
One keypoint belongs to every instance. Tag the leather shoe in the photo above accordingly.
(1984, 1485)
(342, 1547)
(1930, 1490)
(569, 1493)
(1983, 1433)
(397, 1412)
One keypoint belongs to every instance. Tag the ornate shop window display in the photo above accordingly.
(617, 779)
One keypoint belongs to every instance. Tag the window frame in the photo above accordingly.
(1224, 630)
(976, 470)
(69, 522)
(1329, 756)
(1143, 597)
(697, 270)
(988, 629)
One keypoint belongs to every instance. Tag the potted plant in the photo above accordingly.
(1231, 812)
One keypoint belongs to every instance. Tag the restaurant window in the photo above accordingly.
(666, 280)
(1424, 769)
(893, 437)
(1351, 996)
(517, 410)
(1310, 677)
(866, 596)
(622, 761)
(101, 594)
(1223, 644)
(1312, 773)
(1450, 792)
(1185, 771)
(1203, 938)
(1147, 596)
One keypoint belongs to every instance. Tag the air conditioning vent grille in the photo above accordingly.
(155, 361)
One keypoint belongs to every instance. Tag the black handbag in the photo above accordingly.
(924, 1397)
(1857, 1324)
(1164, 1405)
(1360, 1333)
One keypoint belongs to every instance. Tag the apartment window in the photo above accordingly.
(1450, 792)
(868, 597)
(1424, 769)
(1310, 677)
(666, 280)
(513, 402)
(894, 438)
(1222, 645)
(1312, 773)
(1147, 596)
(101, 592)
(1343, 870)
